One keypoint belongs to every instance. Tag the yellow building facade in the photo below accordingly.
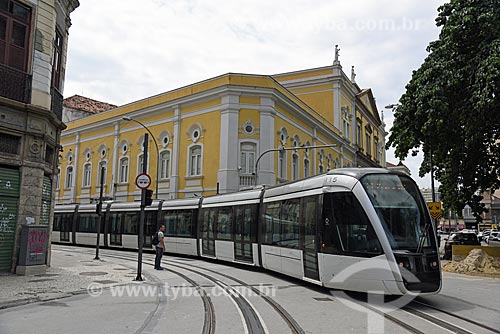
(207, 137)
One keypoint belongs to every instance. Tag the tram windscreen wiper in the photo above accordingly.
(422, 238)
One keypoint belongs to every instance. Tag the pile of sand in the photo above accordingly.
(476, 262)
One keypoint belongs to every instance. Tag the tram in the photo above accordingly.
(357, 229)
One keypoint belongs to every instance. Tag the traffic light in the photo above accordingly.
(148, 201)
(98, 208)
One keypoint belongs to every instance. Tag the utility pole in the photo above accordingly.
(142, 214)
(99, 213)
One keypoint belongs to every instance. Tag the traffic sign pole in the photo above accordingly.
(142, 214)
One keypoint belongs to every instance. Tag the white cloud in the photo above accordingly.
(125, 50)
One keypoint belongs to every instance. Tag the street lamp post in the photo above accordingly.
(282, 148)
(130, 119)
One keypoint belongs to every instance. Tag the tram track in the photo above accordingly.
(475, 323)
(209, 310)
(253, 321)
(416, 309)
(438, 322)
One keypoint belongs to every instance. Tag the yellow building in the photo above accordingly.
(208, 136)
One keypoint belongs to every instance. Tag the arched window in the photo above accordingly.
(140, 163)
(247, 158)
(165, 164)
(295, 166)
(123, 170)
(307, 171)
(58, 178)
(101, 165)
(87, 175)
(69, 177)
(195, 160)
(282, 165)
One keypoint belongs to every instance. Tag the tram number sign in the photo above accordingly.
(435, 210)
(143, 181)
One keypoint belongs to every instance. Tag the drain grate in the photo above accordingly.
(323, 299)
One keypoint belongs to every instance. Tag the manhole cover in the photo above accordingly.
(42, 280)
(93, 273)
(105, 281)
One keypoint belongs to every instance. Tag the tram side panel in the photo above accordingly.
(229, 232)
(86, 229)
(180, 233)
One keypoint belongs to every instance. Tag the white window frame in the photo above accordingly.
(247, 157)
(307, 167)
(368, 139)
(101, 164)
(165, 164)
(58, 178)
(198, 168)
(295, 166)
(282, 165)
(68, 182)
(123, 172)
(87, 175)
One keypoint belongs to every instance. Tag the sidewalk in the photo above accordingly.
(70, 274)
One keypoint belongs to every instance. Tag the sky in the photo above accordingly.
(121, 51)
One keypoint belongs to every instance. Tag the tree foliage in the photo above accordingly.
(451, 109)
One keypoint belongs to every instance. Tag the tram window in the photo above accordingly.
(170, 221)
(129, 223)
(57, 222)
(185, 222)
(290, 217)
(272, 223)
(346, 228)
(224, 223)
(87, 223)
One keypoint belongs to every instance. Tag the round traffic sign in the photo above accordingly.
(143, 181)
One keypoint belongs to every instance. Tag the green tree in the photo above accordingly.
(451, 105)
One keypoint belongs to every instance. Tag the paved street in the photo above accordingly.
(172, 301)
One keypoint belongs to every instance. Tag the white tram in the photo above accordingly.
(352, 229)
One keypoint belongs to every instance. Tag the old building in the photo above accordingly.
(207, 137)
(33, 42)
(77, 106)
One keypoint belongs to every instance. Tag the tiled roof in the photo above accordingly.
(84, 103)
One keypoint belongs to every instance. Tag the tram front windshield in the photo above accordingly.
(401, 210)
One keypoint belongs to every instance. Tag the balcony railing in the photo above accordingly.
(247, 180)
(15, 84)
(57, 103)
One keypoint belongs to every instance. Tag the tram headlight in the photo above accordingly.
(434, 264)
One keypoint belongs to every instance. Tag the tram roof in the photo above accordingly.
(358, 173)
(251, 196)
(347, 178)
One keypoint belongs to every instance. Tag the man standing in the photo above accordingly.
(160, 248)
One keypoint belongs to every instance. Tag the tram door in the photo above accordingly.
(243, 236)
(208, 232)
(309, 240)
(115, 232)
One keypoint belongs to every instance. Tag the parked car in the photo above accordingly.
(460, 238)
(493, 236)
